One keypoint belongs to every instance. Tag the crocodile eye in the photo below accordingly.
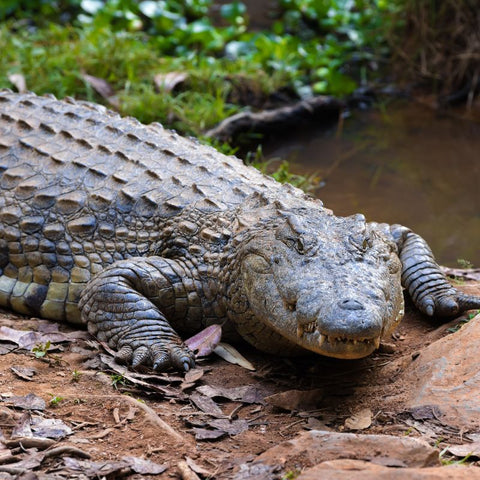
(361, 243)
(300, 245)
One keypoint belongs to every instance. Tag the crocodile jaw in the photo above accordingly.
(341, 346)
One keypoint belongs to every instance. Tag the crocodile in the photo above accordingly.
(139, 233)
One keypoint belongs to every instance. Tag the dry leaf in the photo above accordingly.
(360, 420)
(168, 81)
(49, 428)
(204, 342)
(19, 82)
(205, 434)
(27, 339)
(470, 449)
(28, 402)
(198, 468)
(245, 394)
(232, 355)
(144, 467)
(24, 373)
(102, 87)
(206, 405)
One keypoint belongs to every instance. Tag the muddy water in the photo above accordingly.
(401, 164)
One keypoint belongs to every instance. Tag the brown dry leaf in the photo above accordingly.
(206, 405)
(316, 424)
(470, 449)
(194, 375)
(166, 82)
(232, 355)
(24, 373)
(220, 427)
(144, 467)
(191, 377)
(360, 420)
(28, 464)
(28, 402)
(102, 87)
(198, 468)
(245, 394)
(232, 427)
(205, 434)
(296, 399)
(137, 378)
(27, 339)
(22, 427)
(105, 469)
(18, 81)
(49, 428)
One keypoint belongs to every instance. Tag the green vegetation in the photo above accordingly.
(312, 47)
(462, 322)
(118, 380)
(41, 349)
(55, 400)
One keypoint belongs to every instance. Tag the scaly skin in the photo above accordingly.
(138, 232)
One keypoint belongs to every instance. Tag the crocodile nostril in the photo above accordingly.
(350, 304)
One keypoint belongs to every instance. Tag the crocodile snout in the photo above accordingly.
(350, 304)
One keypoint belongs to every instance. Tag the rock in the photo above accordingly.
(446, 376)
(345, 469)
(313, 447)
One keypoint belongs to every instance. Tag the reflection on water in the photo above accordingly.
(403, 165)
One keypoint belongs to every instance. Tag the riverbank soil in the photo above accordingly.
(68, 411)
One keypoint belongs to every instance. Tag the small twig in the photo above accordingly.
(185, 472)
(57, 451)
(30, 442)
(155, 419)
(234, 412)
(150, 413)
(286, 427)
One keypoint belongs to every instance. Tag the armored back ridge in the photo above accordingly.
(136, 231)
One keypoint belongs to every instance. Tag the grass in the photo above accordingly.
(313, 48)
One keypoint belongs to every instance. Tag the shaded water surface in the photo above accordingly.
(403, 164)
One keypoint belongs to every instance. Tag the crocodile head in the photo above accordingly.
(327, 284)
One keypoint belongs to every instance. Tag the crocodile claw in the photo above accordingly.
(448, 304)
(159, 357)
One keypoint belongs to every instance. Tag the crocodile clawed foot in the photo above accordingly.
(448, 304)
(157, 356)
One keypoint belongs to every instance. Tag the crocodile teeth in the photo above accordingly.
(309, 327)
(376, 341)
(321, 339)
(300, 331)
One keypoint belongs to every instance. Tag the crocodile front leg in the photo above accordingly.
(421, 276)
(127, 305)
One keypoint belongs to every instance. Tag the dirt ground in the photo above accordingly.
(218, 417)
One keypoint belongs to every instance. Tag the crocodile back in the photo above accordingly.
(81, 187)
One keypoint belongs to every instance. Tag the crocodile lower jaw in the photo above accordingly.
(338, 346)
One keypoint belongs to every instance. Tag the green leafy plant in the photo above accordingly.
(41, 349)
(55, 400)
(462, 322)
(462, 263)
(76, 376)
(117, 380)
